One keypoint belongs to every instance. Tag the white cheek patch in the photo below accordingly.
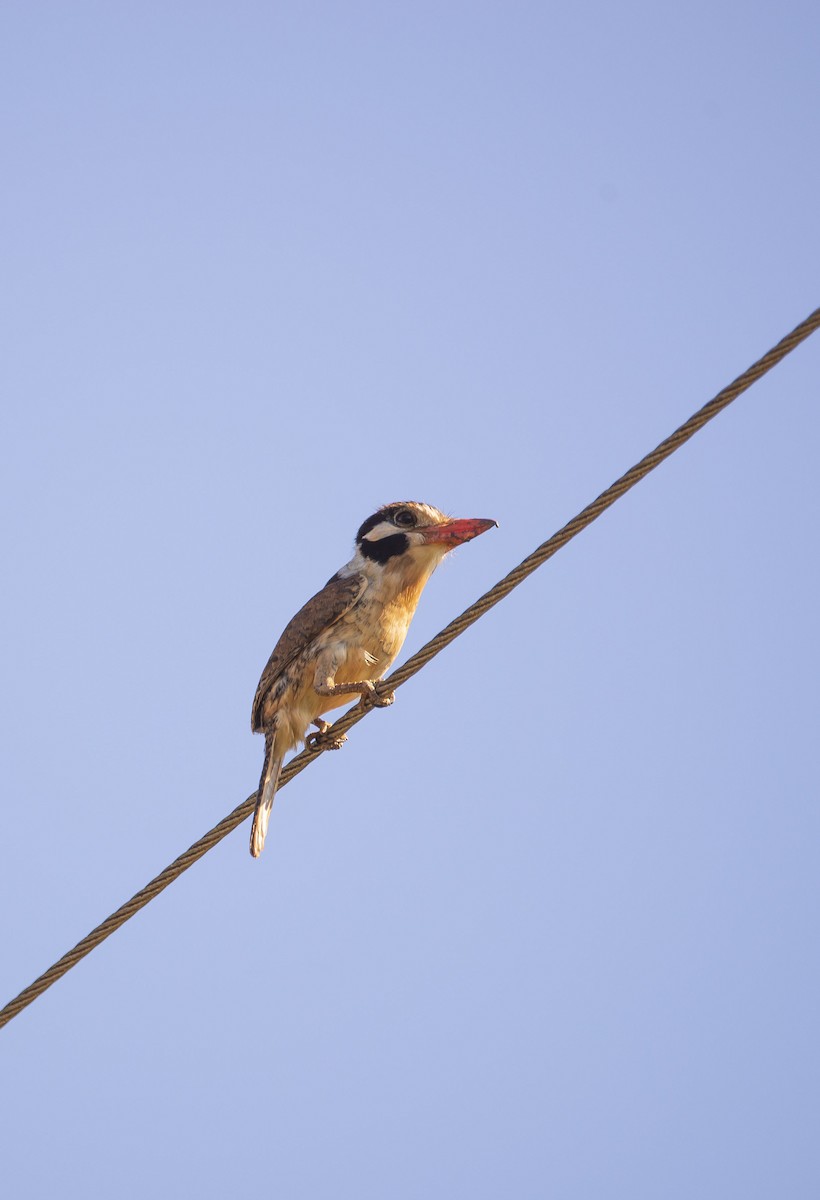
(382, 530)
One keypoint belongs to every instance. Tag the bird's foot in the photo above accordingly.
(375, 699)
(322, 740)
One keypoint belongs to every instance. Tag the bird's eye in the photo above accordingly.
(404, 517)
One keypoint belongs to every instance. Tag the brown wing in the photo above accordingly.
(323, 610)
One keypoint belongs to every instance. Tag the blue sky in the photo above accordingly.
(548, 926)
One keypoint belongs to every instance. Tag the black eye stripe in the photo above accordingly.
(369, 525)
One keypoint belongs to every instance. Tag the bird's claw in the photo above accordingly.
(374, 699)
(322, 740)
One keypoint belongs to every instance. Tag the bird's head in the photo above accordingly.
(414, 536)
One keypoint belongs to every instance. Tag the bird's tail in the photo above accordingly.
(267, 790)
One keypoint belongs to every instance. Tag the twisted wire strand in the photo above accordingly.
(414, 664)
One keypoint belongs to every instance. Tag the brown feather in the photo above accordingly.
(321, 612)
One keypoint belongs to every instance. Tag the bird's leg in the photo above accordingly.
(321, 741)
(324, 685)
(366, 688)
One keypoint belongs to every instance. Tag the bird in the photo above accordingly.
(341, 643)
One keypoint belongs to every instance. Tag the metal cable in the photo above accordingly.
(421, 658)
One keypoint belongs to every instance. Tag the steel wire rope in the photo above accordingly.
(414, 664)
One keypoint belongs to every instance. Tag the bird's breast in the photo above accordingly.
(381, 627)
